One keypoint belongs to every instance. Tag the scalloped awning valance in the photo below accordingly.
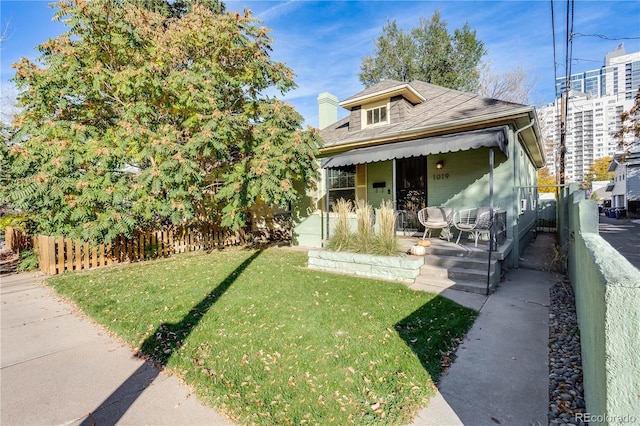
(491, 137)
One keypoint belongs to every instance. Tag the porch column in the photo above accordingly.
(491, 180)
(393, 185)
(326, 200)
(491, 232)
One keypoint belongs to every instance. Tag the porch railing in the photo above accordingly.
(500, 227)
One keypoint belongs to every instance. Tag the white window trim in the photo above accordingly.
(367, 108)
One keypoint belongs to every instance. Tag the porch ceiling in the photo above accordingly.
(494, 136)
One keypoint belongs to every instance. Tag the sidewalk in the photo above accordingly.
(57, 368)
(501, 373)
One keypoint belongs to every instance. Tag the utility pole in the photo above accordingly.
(563, 131)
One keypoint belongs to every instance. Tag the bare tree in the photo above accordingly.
(511, 86)
(8, 92)
(4, 35)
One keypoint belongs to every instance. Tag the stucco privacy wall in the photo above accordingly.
(607, 289)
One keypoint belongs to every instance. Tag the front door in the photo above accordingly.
(411, 191)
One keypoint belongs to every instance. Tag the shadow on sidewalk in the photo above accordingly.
(157, 349)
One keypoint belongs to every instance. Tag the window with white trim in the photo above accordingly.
(377, 115)
(342, 183)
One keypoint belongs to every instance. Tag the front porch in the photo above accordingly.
(461, 267)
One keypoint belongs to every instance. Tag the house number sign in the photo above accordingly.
(441, 176)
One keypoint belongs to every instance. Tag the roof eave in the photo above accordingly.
(519, 117)
(411, 94)
(532, 137)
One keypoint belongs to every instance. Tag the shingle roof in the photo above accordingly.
(442, 106)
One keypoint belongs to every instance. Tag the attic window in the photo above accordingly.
(377, 115)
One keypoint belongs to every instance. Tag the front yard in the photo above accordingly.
(265, 340)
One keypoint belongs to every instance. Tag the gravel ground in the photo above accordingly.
(566, 393)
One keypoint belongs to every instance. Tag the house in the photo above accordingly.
(601, 192)
(419, 145)
(625, 189)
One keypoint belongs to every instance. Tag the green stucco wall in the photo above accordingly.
(308, 226)
(463, 182)
(607, 289)
(379, 172)
(308, 231)
(525, 198)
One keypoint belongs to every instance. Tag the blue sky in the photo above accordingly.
(323, 42)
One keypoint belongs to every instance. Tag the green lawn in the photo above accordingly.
(265, 340)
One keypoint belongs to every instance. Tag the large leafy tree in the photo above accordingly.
(599, 171)
(148, 112)
(428, 52)
(628, 135)
(546, 181)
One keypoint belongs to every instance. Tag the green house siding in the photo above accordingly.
(526, 197)
(377, 173)
(463, 182)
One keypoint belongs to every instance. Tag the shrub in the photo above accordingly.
(28, 261)
(16, 220)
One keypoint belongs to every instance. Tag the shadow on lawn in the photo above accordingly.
(157, 349)
(434, 331)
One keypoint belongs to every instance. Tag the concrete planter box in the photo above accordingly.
(404, 268)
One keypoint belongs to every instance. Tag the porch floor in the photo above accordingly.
(450, 248)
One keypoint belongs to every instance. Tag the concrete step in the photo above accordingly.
(434, 270)
(444, 248)
(431, 280)
(458, 274)
(459, 262)
(437, 284)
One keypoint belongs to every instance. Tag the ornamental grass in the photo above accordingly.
(364, 239)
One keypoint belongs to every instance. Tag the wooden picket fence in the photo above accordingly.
(58, 254)
(16, 240)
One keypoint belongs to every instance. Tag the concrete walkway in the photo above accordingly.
(57, 368)
(622, 234)
(500, 375)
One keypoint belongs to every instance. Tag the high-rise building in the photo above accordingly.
(620, 74)
(596, 98)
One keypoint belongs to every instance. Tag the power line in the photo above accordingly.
(576, 60)
(553, 32)
(570, 35)
(604, 37)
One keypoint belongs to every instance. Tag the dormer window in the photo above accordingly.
(374, 114)
(377, 115)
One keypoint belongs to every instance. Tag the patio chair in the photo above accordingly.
(475, 221)
(436, 218)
